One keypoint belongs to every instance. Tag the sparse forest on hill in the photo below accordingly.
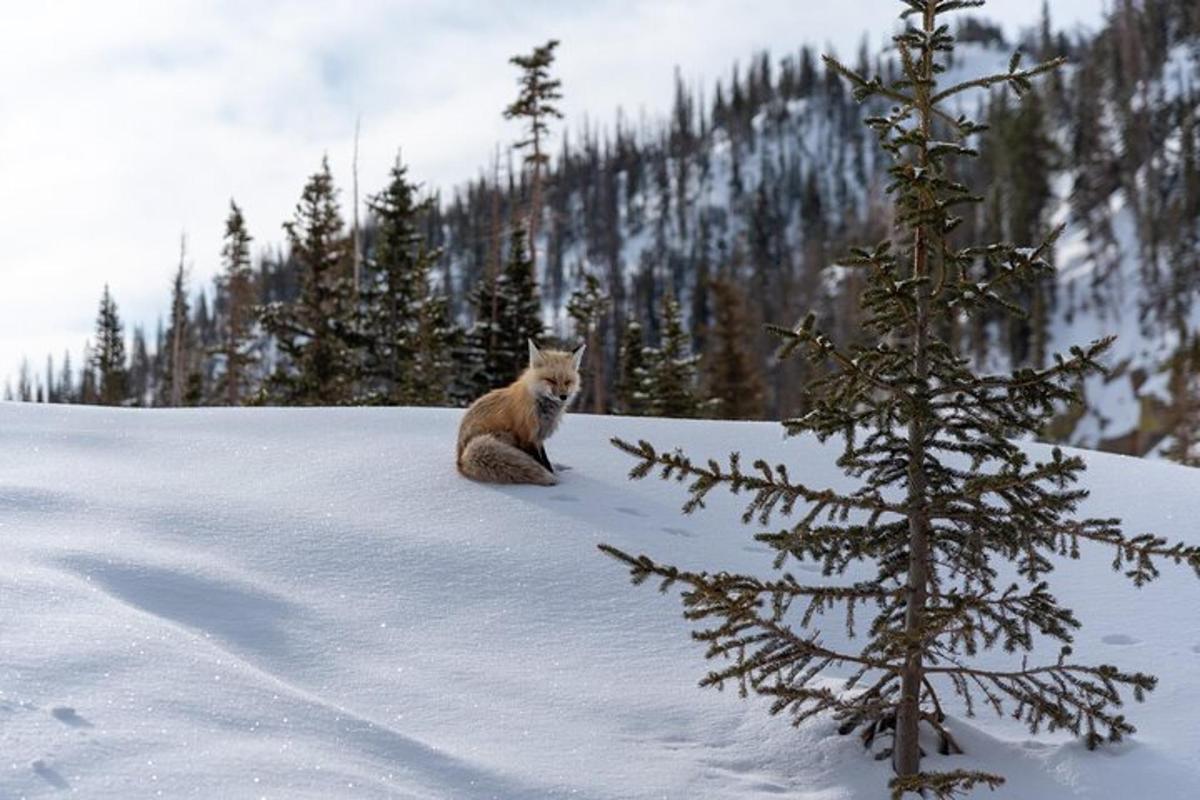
(734, 208)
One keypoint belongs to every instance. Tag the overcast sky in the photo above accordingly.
(124, 124)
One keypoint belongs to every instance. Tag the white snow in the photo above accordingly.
(313, 604)
(1181, 72)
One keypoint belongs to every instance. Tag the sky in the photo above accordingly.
(126, 125)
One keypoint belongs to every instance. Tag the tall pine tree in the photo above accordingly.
(237, 340)
(108, 355)
(535, 104)
(945, 495)
(180, 339)
(317, 366)
(406, 330)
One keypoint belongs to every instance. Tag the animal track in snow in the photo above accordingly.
(633, 512)
(1121, 639)
(686, 534)
(49, 775)
(69, 716)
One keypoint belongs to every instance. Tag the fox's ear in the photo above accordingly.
(535, 355)
(577, 354)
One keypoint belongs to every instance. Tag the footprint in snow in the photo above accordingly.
(633, 512)
(49, 775)
(679, 532)
(69, 716)
(1120, 639)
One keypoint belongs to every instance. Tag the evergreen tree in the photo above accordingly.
(535, 105)
(88, 394)
(25, 387)
(630, 391)
(497, 353)
(479, 355)
(587, 308)
(236, 340)
(670, 385)
(179, 338)
(52, 395)
(108, 356)
(1022, 158)
(520, 306)
(436, 340)
(1184, 445)
(66, 381)
(316, 365)
(406, 328)
(732, 377)
(945, 494)
(140, 369)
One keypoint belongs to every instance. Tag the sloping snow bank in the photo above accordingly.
(312, 603)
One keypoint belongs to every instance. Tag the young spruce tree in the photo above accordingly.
(630, 391)
(945, 495)
(670, 384)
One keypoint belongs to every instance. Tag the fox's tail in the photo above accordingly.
(487, 458)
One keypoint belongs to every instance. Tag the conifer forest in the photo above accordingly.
(669, 246)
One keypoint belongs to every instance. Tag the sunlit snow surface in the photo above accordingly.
(312, 604)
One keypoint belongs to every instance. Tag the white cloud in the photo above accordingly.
(125, 123)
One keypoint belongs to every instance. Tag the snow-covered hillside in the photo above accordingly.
(311, 603)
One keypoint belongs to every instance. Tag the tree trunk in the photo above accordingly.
(906, 751)
(597, 361)
(535, 198)
(356, 235)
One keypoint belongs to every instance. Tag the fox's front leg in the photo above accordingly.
(545, 460)
(542, 458)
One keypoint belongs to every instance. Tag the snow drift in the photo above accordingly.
(311, 603)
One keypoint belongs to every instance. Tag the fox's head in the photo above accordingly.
(553, 374)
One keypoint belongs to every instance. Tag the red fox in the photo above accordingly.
(502, 436)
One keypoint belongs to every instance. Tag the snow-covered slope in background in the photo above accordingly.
(1102, 282)
(311, 603)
